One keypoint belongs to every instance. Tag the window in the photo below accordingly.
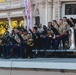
(70, 9)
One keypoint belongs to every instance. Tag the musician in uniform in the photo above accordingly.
(63, 34)
(67, 26)
(15, 43)
(72, 22)
(65, 22)
(49, 25)
(35, 37)
(6, 40)
(44, 37)
(55, 26)
(26, 36)
(30, 43)
(49, 40)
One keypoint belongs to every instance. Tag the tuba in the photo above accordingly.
(71, 39)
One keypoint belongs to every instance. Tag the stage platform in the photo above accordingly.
(40, 63)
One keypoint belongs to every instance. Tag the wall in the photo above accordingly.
(52, 10)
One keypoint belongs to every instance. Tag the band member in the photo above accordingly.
(36, 37)
(15, 35)
(55, 24)
(67, 26)
(49, 25)
(49, 40)
(63, 34)
(15, 43)
(44, 30)
(25, 37)
(54, 27)
(65, 22)
(6, 40)
(71, 22)
(31, 42)
(44, 36)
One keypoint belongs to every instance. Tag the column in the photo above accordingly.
(25, 22)
(59, 9)
(33, 7)
(25, 19)
(55, 9)
(50, 10)
(10, 22)
(46, 12)
(10, 25)
(42, 12)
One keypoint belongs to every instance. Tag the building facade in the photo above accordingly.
(12, 10)
(43, 11)
(49, 10)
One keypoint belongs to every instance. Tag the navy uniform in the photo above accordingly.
(15, 45)
(6, 44)
(54, 36)
(25, 37)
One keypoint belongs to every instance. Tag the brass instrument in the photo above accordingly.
(30, 42)
(29, 39)
(17, 39)
(50, 36)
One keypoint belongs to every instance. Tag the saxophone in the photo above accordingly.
(71, 39)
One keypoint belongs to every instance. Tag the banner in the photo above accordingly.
(28, 13)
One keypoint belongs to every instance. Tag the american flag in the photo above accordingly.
(28, 13)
